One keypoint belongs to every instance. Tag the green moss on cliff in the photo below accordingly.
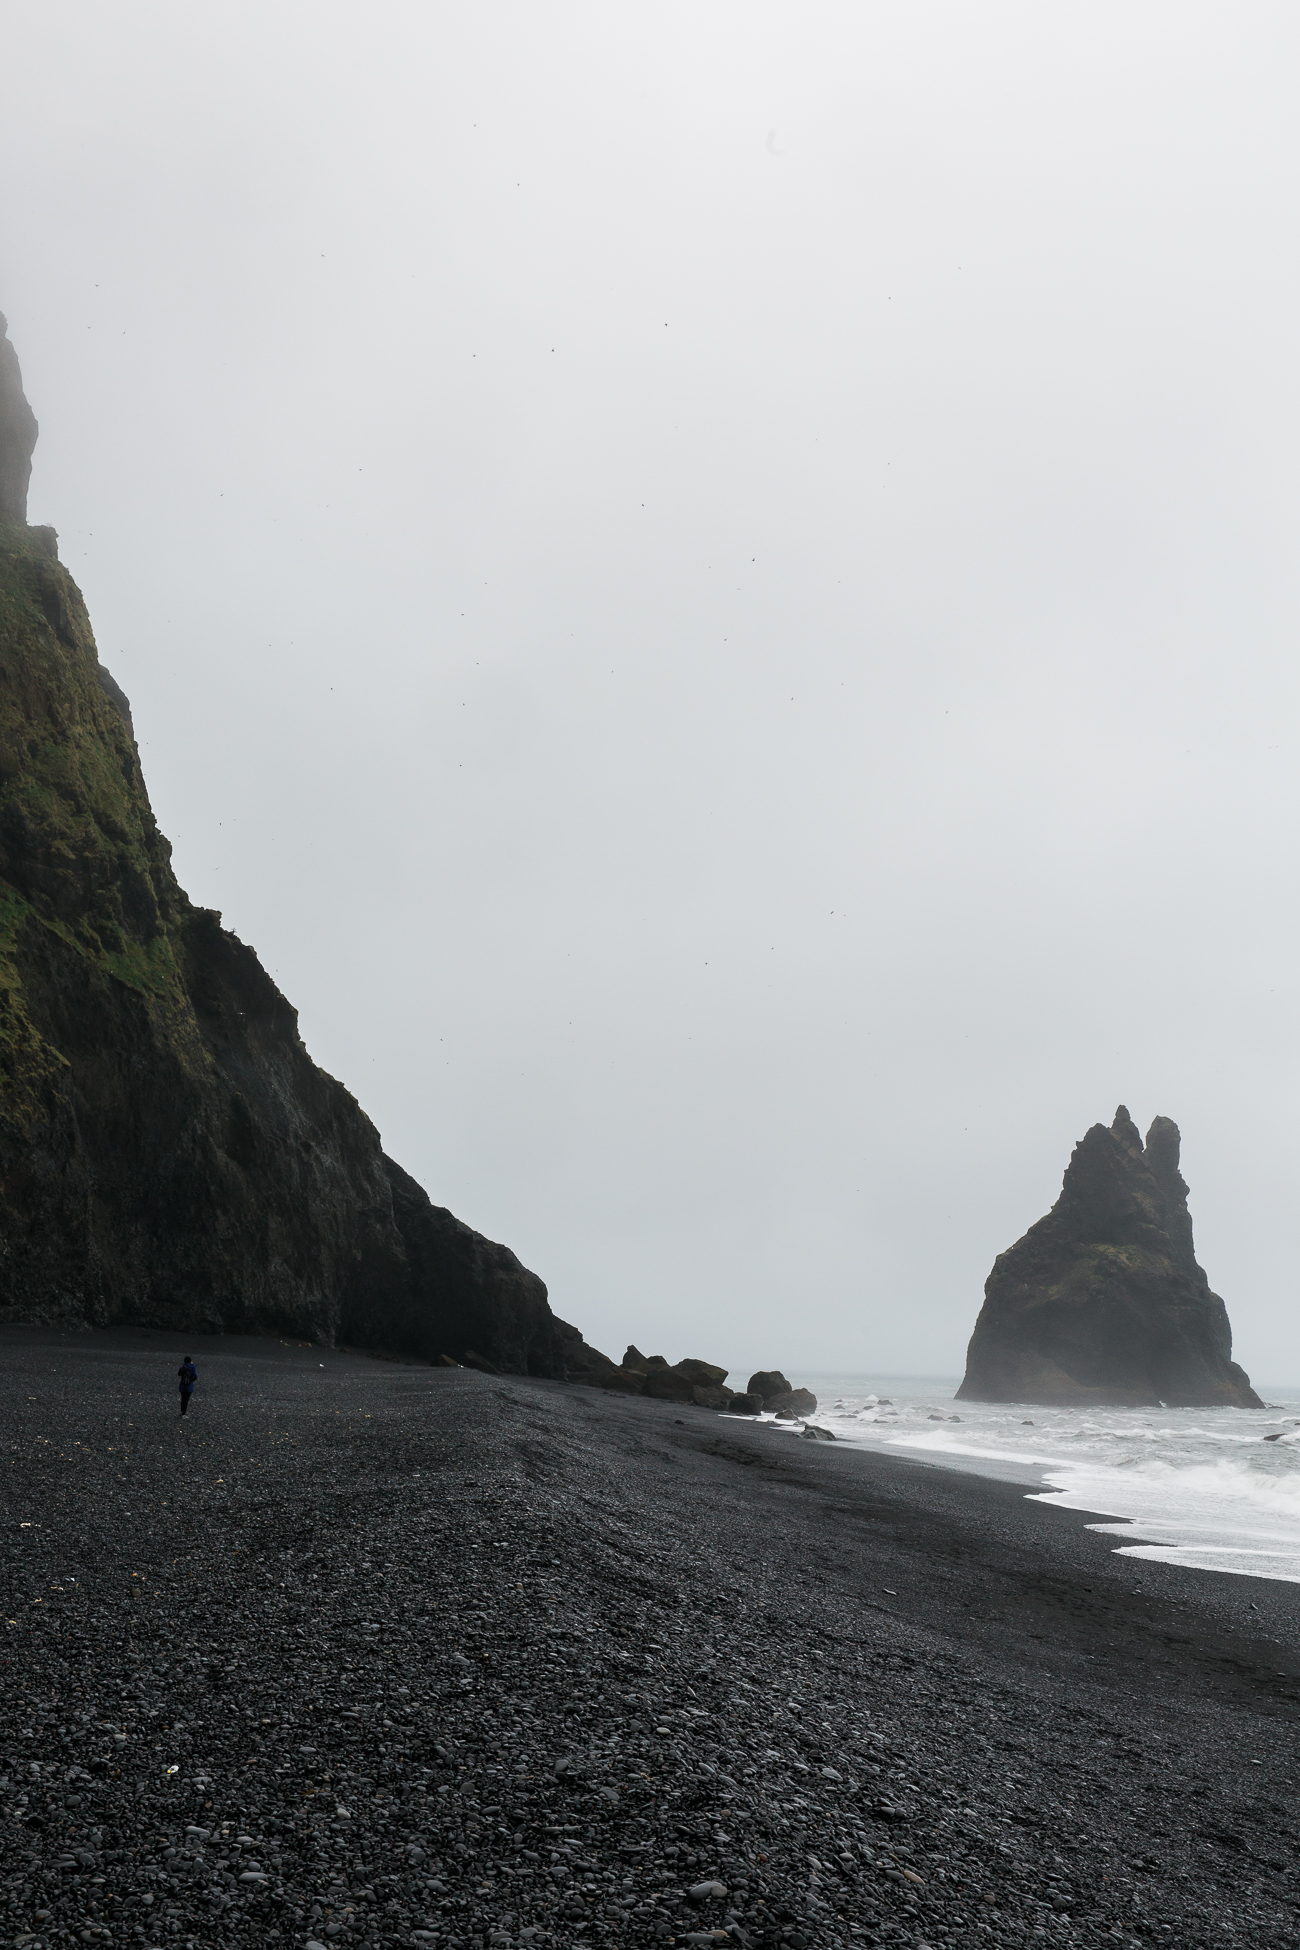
(81, 858)
(169, 1152)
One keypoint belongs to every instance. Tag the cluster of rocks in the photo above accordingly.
(696, 1382)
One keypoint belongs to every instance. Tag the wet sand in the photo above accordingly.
(468, 1660)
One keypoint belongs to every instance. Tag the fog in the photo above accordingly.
(715, 591)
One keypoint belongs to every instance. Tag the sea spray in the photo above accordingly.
(1198, 1487)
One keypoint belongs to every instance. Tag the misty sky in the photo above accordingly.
(715, 589)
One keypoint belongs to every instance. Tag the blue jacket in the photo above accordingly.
(189, 1374)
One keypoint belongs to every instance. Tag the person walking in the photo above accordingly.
(189, 1374)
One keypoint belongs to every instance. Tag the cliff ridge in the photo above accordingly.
(169, 1152)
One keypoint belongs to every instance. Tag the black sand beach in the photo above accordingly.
(445, 1659)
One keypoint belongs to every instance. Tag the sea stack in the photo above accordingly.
(1102, 1303)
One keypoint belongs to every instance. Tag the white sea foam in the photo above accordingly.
(1188, 1486)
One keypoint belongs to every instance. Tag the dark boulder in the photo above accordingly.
(666, 1385)
(581, 1362)
(633, 1358)
(624, 1381)
(745, 1405)
(711, 1397)
(768, 1386)
(1102, 1302)
(702, 1373)
(795, 1401)
(480, 1362)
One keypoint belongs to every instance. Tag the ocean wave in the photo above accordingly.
(1218, 1489)
(1228, 1515)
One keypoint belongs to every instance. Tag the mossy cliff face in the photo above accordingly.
(1103, 1302)
(169, 1153)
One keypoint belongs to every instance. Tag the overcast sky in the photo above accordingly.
(715, 589)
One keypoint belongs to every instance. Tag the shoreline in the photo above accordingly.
(995, 1469)
(643, 1648)
(1207, 1489)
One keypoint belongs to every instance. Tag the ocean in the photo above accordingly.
(1189, 1486)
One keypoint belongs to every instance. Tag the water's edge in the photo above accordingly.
(1198, 1487)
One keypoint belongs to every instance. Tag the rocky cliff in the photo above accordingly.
(169, 1153)
(1103, 1302)
(17, 436)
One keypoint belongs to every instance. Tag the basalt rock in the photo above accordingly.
(795, 1401)
(624, 1381)
(702, 1373)
(710, 1395)
(696, 1382)
(767, 1384)
(582, 1362)
(17, 436)
(666, 1385)
(688, 1381)
(169, 1153)
(1103, 1302)
(633, 1358)
(479, 1361)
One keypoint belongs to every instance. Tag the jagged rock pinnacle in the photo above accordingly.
(1103, 1300)
(18, 432)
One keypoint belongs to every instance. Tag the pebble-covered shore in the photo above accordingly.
(369, 1653)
